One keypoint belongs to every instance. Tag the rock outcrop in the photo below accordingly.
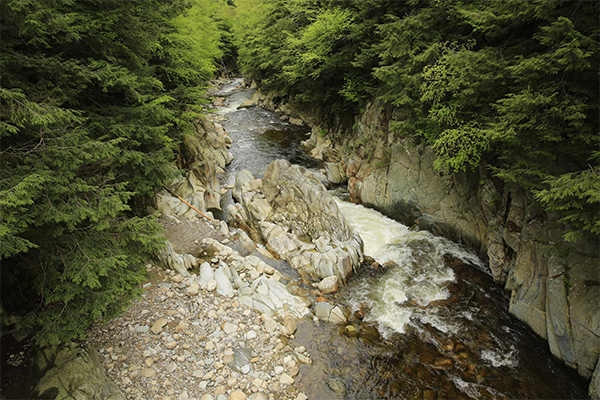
(72, 371)
(553, 287)
(298, 221)
(204, 155)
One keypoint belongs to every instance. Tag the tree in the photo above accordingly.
(93, 105)
(512, 83)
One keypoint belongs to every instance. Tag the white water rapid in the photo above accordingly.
(400, 296)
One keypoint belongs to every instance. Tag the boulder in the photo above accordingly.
(335, 173)
(170, 259)
(293, 215)
(329, 285)
(71, 371)
(204, 154)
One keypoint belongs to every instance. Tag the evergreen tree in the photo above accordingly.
(94, 97)
(513, 83)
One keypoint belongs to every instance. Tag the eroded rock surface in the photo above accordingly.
(72, 371)
(291, 212)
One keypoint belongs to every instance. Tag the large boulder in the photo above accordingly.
(72, 371)
(291, 212)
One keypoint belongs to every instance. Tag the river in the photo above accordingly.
(431, 325)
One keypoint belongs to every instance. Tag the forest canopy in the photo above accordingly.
(94, 95)
(512, 85)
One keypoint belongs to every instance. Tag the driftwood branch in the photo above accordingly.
(188, 204)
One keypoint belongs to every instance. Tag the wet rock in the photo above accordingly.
(322, 310)
(369, 332)
(337, 316)
(289, 326)
(337, 385)
(442, 363)
(351, 331)
(285, 379)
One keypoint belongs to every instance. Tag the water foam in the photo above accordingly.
(418, 278)
(498, 359)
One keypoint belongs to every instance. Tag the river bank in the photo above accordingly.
(181, 342)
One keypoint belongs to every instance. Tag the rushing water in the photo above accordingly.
(427, 321)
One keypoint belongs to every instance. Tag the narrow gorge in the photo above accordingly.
(510, 239)
(553, 289)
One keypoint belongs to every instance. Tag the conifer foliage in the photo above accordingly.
(94, 97)
(509, 84)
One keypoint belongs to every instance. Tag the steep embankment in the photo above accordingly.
(553, 287)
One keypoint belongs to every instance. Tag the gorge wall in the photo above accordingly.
(553, 287)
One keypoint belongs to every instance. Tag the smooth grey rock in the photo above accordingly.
(206, 273)
(224, 286)
(322, 310)
(72, 371)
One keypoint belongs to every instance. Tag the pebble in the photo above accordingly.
(186, 347)
(237, 395)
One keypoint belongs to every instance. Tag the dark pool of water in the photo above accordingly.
(493, 357)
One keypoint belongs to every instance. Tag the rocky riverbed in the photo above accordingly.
(181, 341)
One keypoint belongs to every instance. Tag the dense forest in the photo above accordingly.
(512, 84)
(96, 95)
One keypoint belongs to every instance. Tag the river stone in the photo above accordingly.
(224, 286)
(322, 310)
(206, 273)
(158, 325)
(337, 386)
(258, 396)
(270, 324)
(229, 328)
(289, 326)
(337, 316)
(329, 284)
(72, 370)
(285, 379)
(211, 285)
(237, 395)
(193, 289)
(241, 357)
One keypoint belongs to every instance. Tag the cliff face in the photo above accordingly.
(553, 288)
